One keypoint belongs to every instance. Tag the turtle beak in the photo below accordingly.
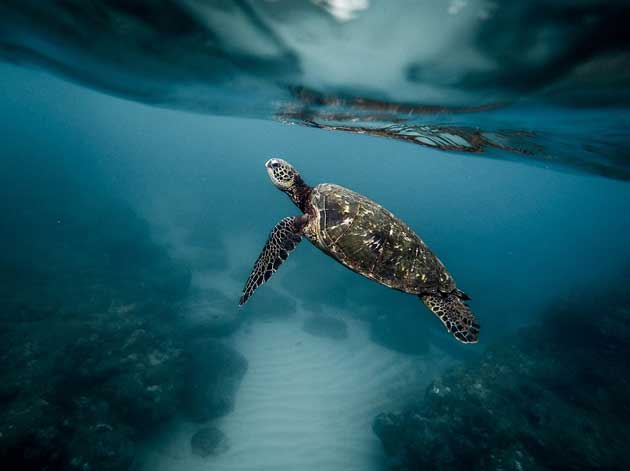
(269, 169)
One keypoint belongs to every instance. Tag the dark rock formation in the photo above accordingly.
(208, 441)
(214, 373)
(552, 397)
(91, 356)
(326, 326)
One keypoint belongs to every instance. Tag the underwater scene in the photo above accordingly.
(331, 235)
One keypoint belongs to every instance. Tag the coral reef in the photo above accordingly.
(552, 397)
(91, 354)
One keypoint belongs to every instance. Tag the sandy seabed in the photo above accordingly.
(305, 402)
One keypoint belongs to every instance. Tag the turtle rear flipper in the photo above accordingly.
(454, 314)
(283, 239)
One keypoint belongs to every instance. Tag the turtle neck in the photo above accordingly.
(299, 193)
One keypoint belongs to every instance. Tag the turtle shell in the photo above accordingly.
(373, 242)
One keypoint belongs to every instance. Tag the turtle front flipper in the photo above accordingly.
(454, 314)
(283, 239)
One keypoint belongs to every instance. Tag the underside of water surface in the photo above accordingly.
(135, 201)
(547, 84)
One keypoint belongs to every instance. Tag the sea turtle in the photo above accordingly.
(367, 239)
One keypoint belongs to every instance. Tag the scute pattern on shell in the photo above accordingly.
(373, 242)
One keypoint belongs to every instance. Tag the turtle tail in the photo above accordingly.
(454, 314)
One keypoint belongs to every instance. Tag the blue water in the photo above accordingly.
(129, 229)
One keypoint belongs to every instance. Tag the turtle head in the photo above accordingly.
(282, 174)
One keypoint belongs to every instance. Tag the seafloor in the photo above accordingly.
(112, 366)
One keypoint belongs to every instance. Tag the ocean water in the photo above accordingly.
(135, 201)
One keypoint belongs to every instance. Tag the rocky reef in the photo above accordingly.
(90, 353)
(208, 441)
(552, 397)
(213, 378)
